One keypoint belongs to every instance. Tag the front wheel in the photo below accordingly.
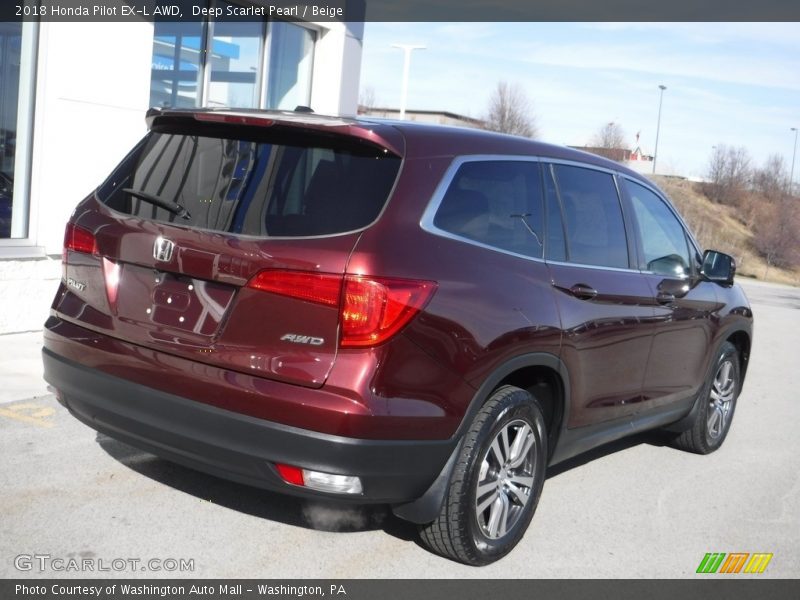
(496, 483)
(713, 420)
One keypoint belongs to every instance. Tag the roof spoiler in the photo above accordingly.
(382, 137)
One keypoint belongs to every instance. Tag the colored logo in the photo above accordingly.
(735, 562)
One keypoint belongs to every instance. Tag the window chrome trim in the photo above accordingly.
(596, 267)
(575, 163)
(426, 222)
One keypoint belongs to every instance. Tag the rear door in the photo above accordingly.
(258, 208)
(605, 304)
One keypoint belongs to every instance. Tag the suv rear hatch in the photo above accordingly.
(224, 237)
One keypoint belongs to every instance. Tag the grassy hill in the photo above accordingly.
(722, 228)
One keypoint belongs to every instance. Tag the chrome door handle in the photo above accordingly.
(583, 291)
(665, 298)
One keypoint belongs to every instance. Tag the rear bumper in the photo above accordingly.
(240, 447)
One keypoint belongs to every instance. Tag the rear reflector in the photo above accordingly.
(293, 475)
(371, 309)
(78, 239)
(322, 482)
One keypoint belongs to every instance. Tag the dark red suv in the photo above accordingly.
(388, 313)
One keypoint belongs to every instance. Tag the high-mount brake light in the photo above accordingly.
(234, 119)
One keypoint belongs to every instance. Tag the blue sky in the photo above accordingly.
(727, 83)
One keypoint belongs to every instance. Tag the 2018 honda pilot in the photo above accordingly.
(388, 312)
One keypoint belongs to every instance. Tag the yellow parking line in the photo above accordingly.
(37, 417)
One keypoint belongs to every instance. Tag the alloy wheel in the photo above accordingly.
(505, 479)
(723, 390)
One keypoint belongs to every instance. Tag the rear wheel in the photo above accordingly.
(496, 483)
(713, 421)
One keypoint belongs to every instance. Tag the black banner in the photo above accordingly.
(406, 10)
(370, 589)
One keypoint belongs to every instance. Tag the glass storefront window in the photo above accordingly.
(176, 67)
(290, 62)
(232, 62)
(17, 54)
(235, 63)
(10, 46)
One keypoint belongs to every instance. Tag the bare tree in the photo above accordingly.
(510, 111)
(770, 181)
(367, 100)
(778, 233)
(729, 174)
(610, 135)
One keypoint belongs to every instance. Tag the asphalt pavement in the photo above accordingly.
(635, 508)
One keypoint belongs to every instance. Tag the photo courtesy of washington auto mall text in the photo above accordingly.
(208, 590)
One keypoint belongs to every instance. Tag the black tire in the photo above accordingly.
(461, 532)
(717, 404)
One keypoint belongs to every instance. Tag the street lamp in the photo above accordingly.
(658, 125)
(407, 49)
(794, 153)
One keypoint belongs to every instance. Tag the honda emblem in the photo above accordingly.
(162, 249)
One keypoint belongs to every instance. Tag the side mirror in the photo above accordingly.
(718, 267)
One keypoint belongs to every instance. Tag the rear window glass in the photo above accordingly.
(252, 187)
(497, 203)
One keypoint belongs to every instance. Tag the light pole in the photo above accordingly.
(794, 153)
(658, 125)
(407, 49)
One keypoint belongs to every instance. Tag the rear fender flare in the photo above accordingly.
(427, 507)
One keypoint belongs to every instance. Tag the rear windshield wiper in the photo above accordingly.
(173, 207)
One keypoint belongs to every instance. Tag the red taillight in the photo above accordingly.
(78, 239)
(374, 308)
(371, 309)
(321, 288)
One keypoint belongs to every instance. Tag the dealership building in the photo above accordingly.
(73, 97)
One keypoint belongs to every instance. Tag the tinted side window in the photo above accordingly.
(662, 236)
(498, 203)
(592, 217)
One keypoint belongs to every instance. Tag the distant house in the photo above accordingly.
(617, 154)
(634, 159)
(424, 116)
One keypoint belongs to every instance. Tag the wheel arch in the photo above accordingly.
(534, 372)
(742, 340)
(740, 337)
(543, 376)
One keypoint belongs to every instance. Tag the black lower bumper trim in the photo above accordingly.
(239, 447)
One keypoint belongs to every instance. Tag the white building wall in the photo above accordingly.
(89, 110)
(337, 69)
(90, 107)
(92, 93)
